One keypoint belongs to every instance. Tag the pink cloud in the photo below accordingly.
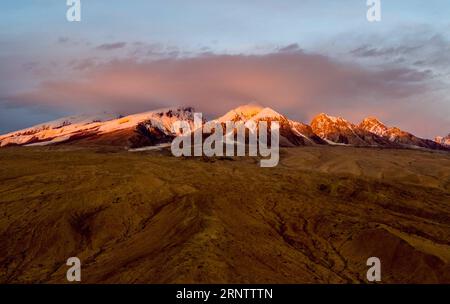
(296, 83)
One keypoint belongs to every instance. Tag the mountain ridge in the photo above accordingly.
(155, 127)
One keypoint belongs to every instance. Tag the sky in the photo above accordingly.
(299, 57)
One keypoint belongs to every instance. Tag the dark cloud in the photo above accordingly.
(415, 46)
(111, 46)
(63, 40)
(29, 66)
(291, 48)
(140, 50)
(83, 63)
(369, 51)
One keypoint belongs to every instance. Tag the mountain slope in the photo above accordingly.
(396, 135)
(370, 132)
(133, 130)
(339, 131)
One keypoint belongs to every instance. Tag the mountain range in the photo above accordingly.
(155, 127)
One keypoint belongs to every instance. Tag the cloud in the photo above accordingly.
(291, 48)
(63, 40)
(413, 46)
(369, 51)
(296, 83)
(111, 46)
(83, 63)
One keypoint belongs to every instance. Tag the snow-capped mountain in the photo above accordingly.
(337, 130)
(133, 130)
(242, 113)
(334, 129)
(375, 126)
(443, 140)
(370, 132)
(55, 130)
(396, 135)
(292, 133)
(155, 127)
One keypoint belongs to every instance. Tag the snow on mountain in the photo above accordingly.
(443, 140)
(307, 132)
(267, 113)
(161, 119)
(292, 133)
(84, 126)
(373, 125)
(155, 127)
(323, 122)
(336, 129)
(370, 132)
(250, 112)
(397, 136)
(55, 130)
(242, 113)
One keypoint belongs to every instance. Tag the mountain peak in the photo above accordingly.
(325, 118)
(248, 107)
(267, 113)
(372, 119)
(443, 140)
(336, 130)
(372, 124)
(244, 112)
(321, 116)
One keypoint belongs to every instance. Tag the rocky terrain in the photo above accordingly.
(148, 217)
